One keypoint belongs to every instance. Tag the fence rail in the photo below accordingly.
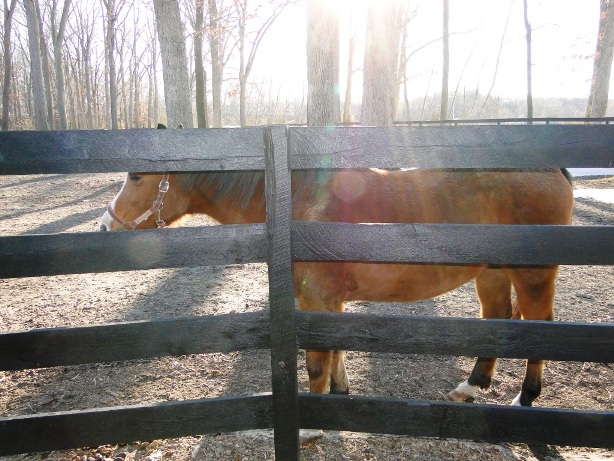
(277, 150)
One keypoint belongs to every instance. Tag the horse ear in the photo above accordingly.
(161, 126)
(180, 126)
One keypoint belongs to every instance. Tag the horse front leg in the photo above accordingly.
(319, 367)
(326, 370)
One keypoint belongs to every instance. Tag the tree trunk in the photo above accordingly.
(322, 63)
(38, 85)
(88, 84)
(445, 79)
(602, 67)
(46, 72)
(199, 68)
(110, 60)
(347, 101)
(241, 10)
(6, 90)
(527, 26)
(58, 32)
(174, 63)
(217, 67)
(378, 77)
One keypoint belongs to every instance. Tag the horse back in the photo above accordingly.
(434, 196)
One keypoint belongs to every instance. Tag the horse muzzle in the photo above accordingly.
(106, 222)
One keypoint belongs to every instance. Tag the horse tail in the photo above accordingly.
(515, 309)
(568, 175)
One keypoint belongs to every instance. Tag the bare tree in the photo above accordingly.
(378, 78)
(602, 67)
(216, 43)
(6, 89)
(57, 37)
(199, 68)
(322, 63)
(347, 101)
(174, 63)
(85, 29)
(527, 26)
(445, 79)
(494, 78)
(246, 64)
(38, 84)
(46, 71)
(112, 11)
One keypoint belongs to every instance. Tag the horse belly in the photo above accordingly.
(378, 282)
(404, 282)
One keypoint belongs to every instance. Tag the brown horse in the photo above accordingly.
(377, 196)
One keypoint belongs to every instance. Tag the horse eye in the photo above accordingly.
(134, 177)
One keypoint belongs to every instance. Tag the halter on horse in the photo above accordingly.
(157, 206)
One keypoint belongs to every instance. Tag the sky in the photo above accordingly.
(564, 38)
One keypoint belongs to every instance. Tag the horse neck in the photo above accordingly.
(227, 208)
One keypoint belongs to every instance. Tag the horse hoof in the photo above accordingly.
(309, 436)
(457, 396)
(464, 392)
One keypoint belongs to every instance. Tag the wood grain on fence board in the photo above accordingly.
(100, 151)
(74, 253)
(281, 294)
(454, 243)
(492, 423)
(134, 340)
(91, 428)
(530, 147)
(456, 336)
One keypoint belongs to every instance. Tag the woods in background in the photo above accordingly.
(112, 64)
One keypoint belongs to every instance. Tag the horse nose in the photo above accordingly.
(103, 228)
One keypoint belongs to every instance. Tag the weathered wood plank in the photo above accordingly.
(74, 253)
(73, 429)
(548, 146)
(454, 243)
(134, 340)
(491, 423)
(281, 294)
(456, 336)
(100, 151)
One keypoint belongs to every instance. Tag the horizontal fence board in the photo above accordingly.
(101, 151)
(456, 336)
(74, 253)
(134, 340)
(91, 428)
(491, 423)
(454, 243)
(515, 121)
(547, 146)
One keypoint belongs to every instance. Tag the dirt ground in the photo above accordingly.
(63, 203)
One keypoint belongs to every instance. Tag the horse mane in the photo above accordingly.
(240, 186)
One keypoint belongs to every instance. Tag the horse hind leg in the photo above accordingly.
(494, 290)
(535, 292)
(339, 383)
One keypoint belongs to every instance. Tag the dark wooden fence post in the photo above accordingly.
(281, 294)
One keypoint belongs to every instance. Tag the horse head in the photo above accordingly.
(146, 200)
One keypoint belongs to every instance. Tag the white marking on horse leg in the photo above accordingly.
(463, 392)
(309, 435)
(516, 401)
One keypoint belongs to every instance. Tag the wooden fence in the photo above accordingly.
(277, 150)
